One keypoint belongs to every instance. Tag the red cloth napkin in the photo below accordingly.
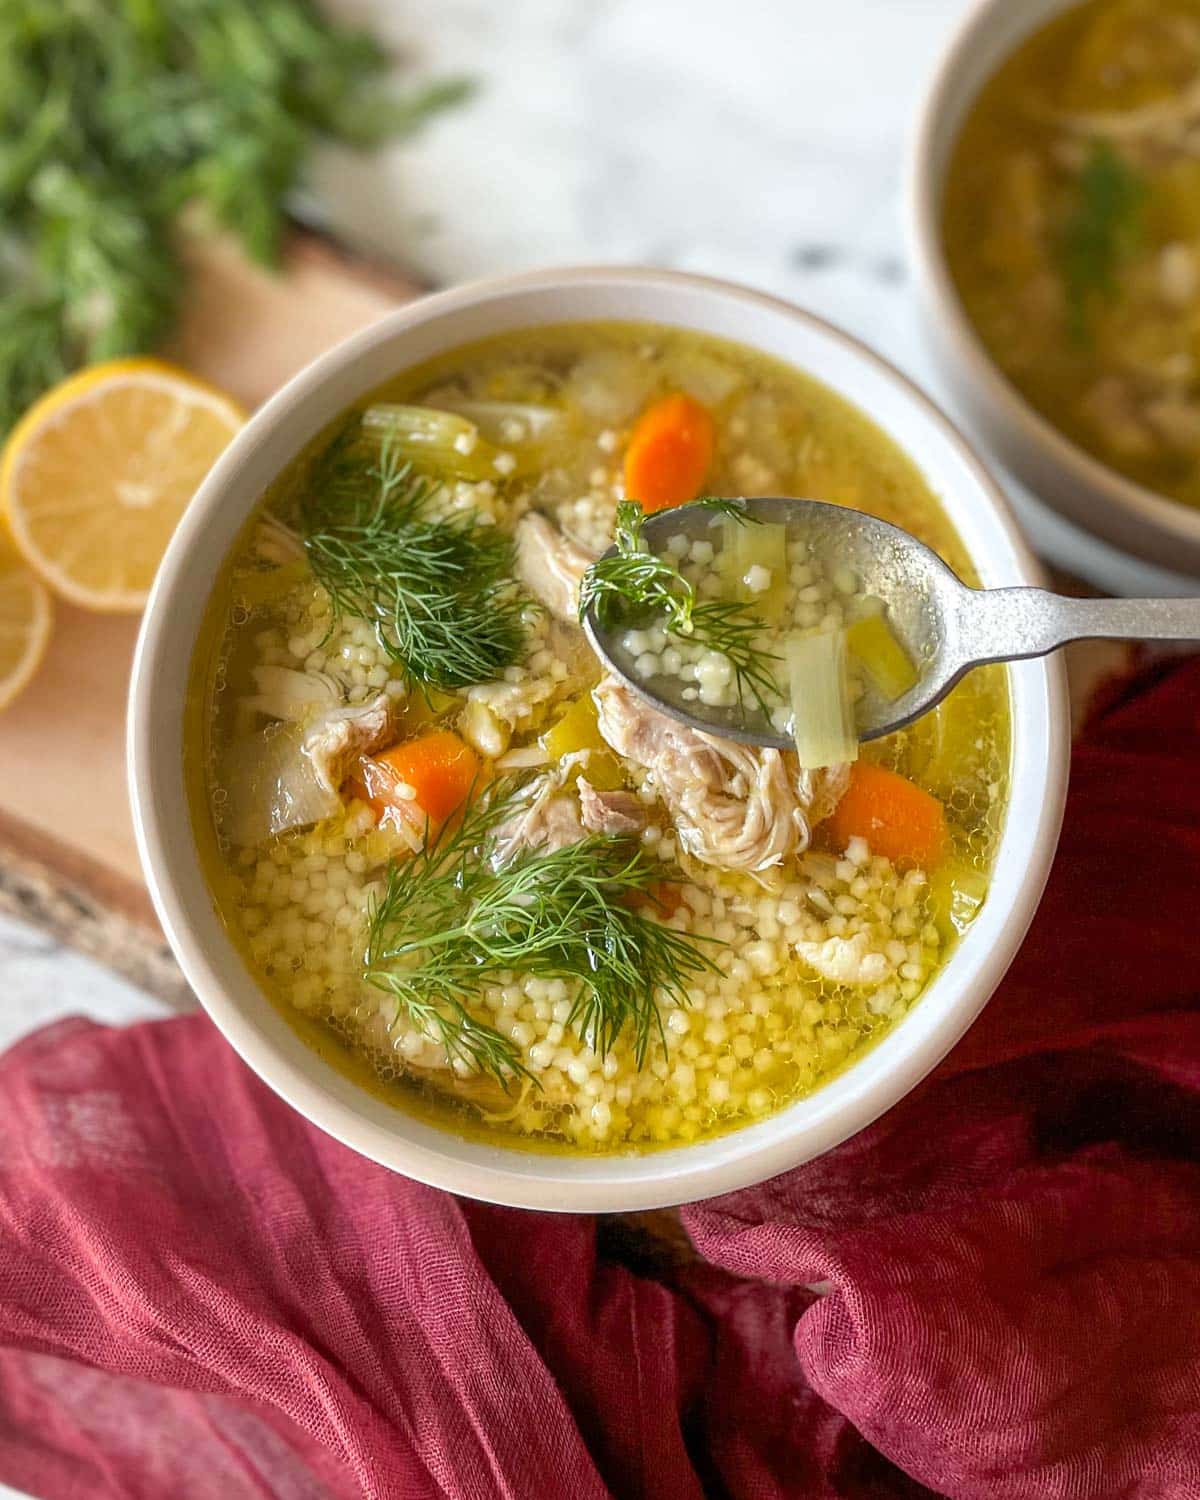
(202, 1296)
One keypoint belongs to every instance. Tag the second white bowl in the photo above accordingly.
(1085, 491)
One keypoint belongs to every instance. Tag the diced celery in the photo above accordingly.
(603, 770)
(703, 376)
(746, 545)
(822, 709)
(438, 440)
(956, 894)
(871, 641)
(577, 728)
(425, 707)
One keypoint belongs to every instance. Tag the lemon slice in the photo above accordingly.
(25, 616)
(99, 471)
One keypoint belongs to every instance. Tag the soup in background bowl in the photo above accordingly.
(433, 879)
(1049, 208)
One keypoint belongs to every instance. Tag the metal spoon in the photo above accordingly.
(946, 627)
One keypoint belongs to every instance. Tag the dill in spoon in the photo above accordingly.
(448, 923)
(635, 585)
(439, 592)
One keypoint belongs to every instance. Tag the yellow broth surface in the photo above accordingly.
(1072, 228)
(809, 959)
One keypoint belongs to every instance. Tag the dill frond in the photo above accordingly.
(448, 922)
(438, 592)
(634, 586)
(1101, 229)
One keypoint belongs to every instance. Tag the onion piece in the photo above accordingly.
(271, 787)
(822, 710)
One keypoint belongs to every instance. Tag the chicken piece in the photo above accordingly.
(550, 565)
(339, 737)
(547, 818)
(610, 812)
(734, 806)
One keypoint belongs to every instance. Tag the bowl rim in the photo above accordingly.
(728, 1162)
(921, 194)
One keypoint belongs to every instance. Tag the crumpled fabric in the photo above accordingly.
(991, 1294)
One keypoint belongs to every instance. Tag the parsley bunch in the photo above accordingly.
(115, 115)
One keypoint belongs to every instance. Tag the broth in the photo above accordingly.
(788, 951)
(1072, 229)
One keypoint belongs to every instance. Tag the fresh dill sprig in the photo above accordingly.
(114, 117)
(449, 921)
(1102, 228)
(635, 585)
(438, 592)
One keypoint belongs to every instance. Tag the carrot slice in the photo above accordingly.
(431, 776)
(899, 820)
(669, 453)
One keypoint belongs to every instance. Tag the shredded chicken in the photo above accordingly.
(338, 738)
(733, 806)
(610, 812)
(547, 817)
(284, 693)
(550, 565)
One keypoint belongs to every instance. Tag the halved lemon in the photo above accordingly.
(98, 472)
(25, 617)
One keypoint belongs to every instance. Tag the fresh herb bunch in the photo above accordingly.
(448, 922)
(439, 593)
(114, 116)
(634, 586)
(1102, 228)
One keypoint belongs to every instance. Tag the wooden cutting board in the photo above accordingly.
(67, 856)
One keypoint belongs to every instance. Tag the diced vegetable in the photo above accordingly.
(669, 453)
(750, 550)
(956, 893)
(610, 385)
(705, 377)
(819, 690)
(576, 730)
(897, 818)
(432, 775)
(425, 707)
(439, 440)
(873, 642)
(272, 788)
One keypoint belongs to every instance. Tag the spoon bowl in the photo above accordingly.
(945, 627)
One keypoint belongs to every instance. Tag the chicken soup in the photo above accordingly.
(495, 884)
(1072, 230)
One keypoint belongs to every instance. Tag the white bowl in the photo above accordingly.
(216, 972)
(1078, 486)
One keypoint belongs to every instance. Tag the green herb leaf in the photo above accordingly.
(634, 586)
(439, 593)
(1101, 230)
(113, 117)
(448, 923)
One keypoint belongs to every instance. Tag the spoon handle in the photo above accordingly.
(1010, 624)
